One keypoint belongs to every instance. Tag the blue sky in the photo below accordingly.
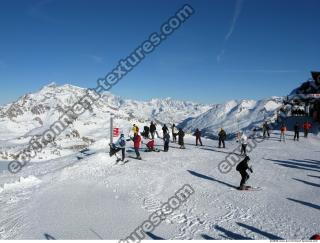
(230, 49)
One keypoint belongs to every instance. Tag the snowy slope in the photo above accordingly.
(234, 116)
(93, 198)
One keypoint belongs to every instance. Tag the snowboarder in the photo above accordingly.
(136, 144)
(174, 132)
(181, 138)
(242, 168)
(152, 129)
(266, 130)
(283, 130)
(296, 129)
(306, 127)
(244, 142)
(117, 146)
(222, 137)
(197, 133)
(166, 140)
(165, 129)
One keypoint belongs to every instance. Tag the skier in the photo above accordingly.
(136, 144)
(306, 127)
(152, 129)
(197, 133)
(117, 146)
(244, 142)
(181, 138)
(166, 140)
(242, 168)
(150, 146)
(174, 131)
(165, 130)
(315, 237)
(222, 137)
(266, 130)
(283, 130)
(296, 129)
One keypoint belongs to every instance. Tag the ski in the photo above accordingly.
(250, 188)
(132, 157)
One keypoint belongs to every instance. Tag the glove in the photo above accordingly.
(250, 169)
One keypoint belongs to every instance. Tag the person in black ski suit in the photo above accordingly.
(153, 129)
(242, 168)
(296, 129)
(166, 140)
(181, 138)
(165, 130)
(222, 137)
(266, 130)
(197, 133)
(146, 131)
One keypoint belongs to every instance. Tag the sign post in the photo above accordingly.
(111, 129)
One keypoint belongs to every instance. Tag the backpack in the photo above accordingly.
(122, 143)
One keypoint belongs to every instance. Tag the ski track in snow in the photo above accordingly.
(78, 197)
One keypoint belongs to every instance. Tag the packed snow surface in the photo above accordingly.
(91, 197)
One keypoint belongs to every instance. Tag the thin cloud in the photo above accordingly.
(96, 58)
(235, 18)
(220, 55)
(237, 12)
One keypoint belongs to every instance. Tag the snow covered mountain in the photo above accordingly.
(234, 116)
(33, 113)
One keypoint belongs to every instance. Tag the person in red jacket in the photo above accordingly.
(136, 144)
(306, 128)
(283, 130)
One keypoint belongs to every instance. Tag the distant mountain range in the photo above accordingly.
(33, 113)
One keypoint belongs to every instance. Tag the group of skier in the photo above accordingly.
(296, 128)
(150, 132)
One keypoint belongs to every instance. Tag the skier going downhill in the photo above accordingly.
(197, 134)
(242, 168)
